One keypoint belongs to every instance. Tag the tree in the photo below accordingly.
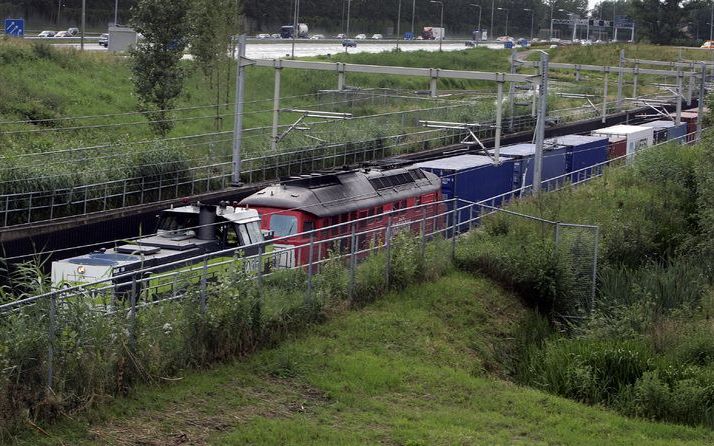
(213, 25)
(156, 59)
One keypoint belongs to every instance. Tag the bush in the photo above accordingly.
(590, 371)
(534, 269)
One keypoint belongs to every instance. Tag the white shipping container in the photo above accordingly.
(638, 137)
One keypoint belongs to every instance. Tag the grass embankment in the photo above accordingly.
(647, 349)
(416, 368)
(59, 88)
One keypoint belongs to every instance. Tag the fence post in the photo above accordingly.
(202, 294)
(353, 260)
(455, 223)
(29, 209)
(557, 234)
(309, 264)
(422, 246)
(594, 288)
(52, 205)
(51, 339)
(123, 195)
(260, 272)
(7, 208)
(388, 242)
(132, 315)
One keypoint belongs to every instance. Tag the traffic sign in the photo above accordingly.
(15, 27)
(622, 21)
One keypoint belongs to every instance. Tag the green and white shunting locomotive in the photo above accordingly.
(183, 233)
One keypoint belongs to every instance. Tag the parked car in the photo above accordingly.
(360, 37)
(317, 37)
(341, 36)
(104, 40)
(709, 44)
(349, 43)
(503, 39)
(586, 42)
(377, 36)
(470, 43)
(275, 36)
(263, 36)
(62, 34)
(47, 34)
(73, 31)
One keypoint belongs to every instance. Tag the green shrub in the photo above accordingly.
(591, 371)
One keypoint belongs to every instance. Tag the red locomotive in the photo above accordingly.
(365, 197)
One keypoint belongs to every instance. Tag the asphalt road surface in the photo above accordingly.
(276, 50)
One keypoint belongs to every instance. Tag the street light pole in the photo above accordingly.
(480, 33)
(84, 24)
(441, 34)
(116, 12)
(552, 3)
(711, 24)
(399, 21)
(506, 11)
(296, 27)
(413, 15)
(532, 14)
(493, 10)
(347, 32)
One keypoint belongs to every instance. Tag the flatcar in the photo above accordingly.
(369, 197)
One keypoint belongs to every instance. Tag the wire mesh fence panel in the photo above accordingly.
(577, 247)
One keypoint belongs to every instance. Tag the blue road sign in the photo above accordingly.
(15, 27)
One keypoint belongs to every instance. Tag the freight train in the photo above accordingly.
(315, 209)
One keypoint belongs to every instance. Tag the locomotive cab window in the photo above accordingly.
(249, 233)
(308, 226)
(175, 223)
(283, 225)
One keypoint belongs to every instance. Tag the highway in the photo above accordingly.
(276, 49)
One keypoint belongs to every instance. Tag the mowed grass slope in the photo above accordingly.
(418, 368)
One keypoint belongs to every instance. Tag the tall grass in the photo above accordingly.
(96, 356)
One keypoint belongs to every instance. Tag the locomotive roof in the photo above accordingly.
(340, 192)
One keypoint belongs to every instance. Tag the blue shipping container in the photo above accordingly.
(523, 156)
(674, 132)
(472, 177)
(582, 152)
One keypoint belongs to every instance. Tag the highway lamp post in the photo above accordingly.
(506, 11)
(552, 3)
(711, 23)
(574, 18)
(347, 28)
(480, 32)
(399, 21)
(493, 10)
(532, 14)
(84, 24)
(116, 12)
(413, 16)
(296, 27)
(441, 34)
(59, 12)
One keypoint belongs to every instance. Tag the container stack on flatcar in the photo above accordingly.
(637, 137)
(581, 153)
(668, 131)
(523, 158)
(691, 117)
